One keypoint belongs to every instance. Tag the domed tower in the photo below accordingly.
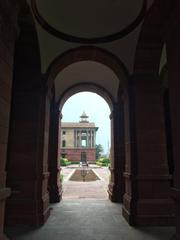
(84, 118)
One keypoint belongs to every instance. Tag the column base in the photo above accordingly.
(4, 194)
(25, 211)
(55, 194)
(175, 193)
(177, 237)
(3, 237)
(114, 192)
(148, 212)
(128, 210)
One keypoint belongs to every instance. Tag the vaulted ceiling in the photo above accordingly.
(87, 20)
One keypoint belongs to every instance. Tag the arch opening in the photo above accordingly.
(90, 69)
(85, 126)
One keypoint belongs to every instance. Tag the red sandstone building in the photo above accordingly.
(78, 140)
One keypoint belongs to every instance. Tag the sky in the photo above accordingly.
(96, 108)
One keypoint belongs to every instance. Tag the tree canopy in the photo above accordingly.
(99, 150)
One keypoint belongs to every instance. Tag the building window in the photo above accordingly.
(64, 132)
(83, 143)
(63, 143)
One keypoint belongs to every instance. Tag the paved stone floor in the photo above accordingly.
(85, 213)
(84, 219)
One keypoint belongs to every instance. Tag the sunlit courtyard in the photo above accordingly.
(83, 186)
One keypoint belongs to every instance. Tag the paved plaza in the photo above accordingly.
(89, 190)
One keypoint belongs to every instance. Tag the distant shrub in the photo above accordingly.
(104, 162)
(64, 162)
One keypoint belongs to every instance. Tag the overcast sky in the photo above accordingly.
(96, 108)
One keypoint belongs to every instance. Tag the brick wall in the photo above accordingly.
(74, 155)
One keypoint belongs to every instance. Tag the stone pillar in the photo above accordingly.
(27, 160)
(117, 184)
(80, 138)
(94, 138)
(75, 138)
(147, 181)
(6, 69)
(55, 186)
(173, 53)
(27, 173)
(91, 138)
(87, 145)
(8, 34)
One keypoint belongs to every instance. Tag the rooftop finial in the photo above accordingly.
(84, 117)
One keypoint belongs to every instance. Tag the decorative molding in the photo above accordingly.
(96, 40)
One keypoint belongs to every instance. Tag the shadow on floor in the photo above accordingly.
(90, 220)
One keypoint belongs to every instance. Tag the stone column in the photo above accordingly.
(54, 184)
(147, 181)
(94, 136)
(75, 138)
(117, 184)
(88, 143)
(80, 138)
(77, 144)
(173, 53)
(27, 173)
(8, 34)
(27, 159)
(91, 138)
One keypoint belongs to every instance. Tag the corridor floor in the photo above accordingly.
(84, 219)
(85, 213)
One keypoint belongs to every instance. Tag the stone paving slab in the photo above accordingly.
(86, 213)
(90, 220)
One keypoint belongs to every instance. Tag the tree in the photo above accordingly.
(99, 150)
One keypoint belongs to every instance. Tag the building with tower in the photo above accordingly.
(78, 140)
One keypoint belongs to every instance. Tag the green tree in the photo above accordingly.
(99, 150)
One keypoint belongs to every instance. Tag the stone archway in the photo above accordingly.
(94, 56)
(146, 162)
(88, 91)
